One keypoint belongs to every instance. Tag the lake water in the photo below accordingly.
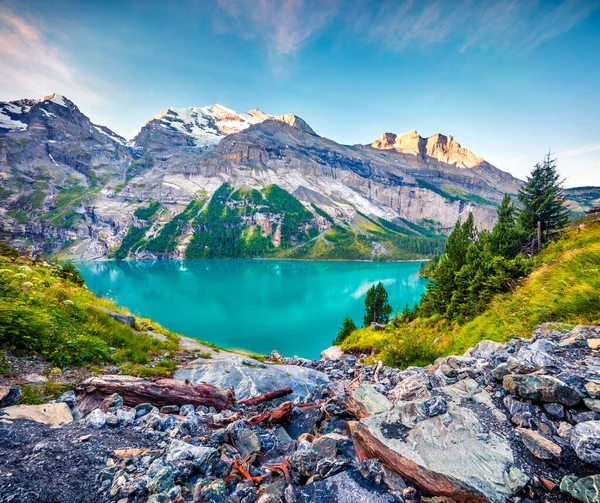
(295, 307)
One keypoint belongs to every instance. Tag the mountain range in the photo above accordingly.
(211, 182)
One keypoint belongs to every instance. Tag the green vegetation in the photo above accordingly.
(346, 329)
(367, 239)
(45, 309)
(219, 228)
(167, 239)
(543, 200)
(377, 307)
(133, 240)
(147, 212)
(322, 213)
(452, 194)
(479, 289)
(294, 214)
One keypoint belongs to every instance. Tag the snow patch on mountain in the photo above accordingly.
(59, 99)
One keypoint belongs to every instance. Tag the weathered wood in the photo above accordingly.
(279, 414)
(282, 412)
(271, 395)
(135, 390)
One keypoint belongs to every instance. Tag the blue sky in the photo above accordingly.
(509, 79)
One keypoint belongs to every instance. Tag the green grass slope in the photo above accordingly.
(47, 310)
(564, 287)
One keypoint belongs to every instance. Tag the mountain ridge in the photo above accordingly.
(73, 186)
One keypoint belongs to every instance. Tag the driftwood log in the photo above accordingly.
(135, 390)
(271, 395)
(281, 413)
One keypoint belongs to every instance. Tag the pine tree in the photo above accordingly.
(346, 329)
(543, 200)
(507, 237)
(377, 308)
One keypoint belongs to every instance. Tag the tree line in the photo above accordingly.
(477, 265)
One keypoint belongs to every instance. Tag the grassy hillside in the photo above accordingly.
(47, 310)
(564, 287)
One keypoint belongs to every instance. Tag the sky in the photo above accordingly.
(510, 79)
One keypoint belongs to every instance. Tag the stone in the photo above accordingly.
(593, 405)
(347, 486)
(190, 423)
(111, 403)
(203, 458)
(69, 398)
(555, 410)
(125, 417)
(247, 442)
(585, 440)
(142, 409)
(162, 481)
(186, 409)
(249, 377)
(448, 454)
(126, 319)
(541, 388)
(593, 343)
(364, 401)
(486, 350)
(54, 414)
(9, 395)
(586, 489)
(112, 421)
(170, 409)
(333, 353)
(500, 371)
(593, 389)
(564, 430)
(304, 420)
(538, 445)
(96, 419)
(414, 387)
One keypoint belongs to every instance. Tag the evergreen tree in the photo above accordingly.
(507, 236)
(377, 308)
(346, 329)
(543, 200)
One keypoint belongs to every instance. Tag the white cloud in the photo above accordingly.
(512, 25)
(31, 66)
(588, 149)
(283, 25)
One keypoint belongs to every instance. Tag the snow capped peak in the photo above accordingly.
(207, 125)
(59, 99)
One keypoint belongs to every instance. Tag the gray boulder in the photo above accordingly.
(345, 487)
(250, 377)
(203, 458)
(585, 440)
(9, 395)
(461, 453)
(541, 388)
(96, 419)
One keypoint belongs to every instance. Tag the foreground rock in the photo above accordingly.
(482, 427)
(54, 414)
(250, 377)
(456, 453)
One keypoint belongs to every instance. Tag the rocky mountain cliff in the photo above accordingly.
(73, 186)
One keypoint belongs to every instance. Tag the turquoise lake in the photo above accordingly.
(295, 307)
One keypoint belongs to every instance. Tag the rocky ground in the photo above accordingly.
(518, 422)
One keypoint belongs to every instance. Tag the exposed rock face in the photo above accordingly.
(54, 414)
(67, 180)
(458, 453)
(440, 147)
(250, 377)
